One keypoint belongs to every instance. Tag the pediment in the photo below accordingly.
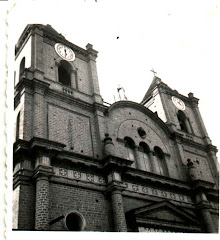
(165, 211)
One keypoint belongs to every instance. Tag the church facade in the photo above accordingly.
(81, 165)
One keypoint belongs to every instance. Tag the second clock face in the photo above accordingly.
(65, 52)
(178, 103)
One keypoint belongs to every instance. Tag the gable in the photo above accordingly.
(164, 215)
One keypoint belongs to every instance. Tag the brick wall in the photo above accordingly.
(28, 116)
(125, 121)
(215, 219)
(90, 203)
(23, 215)
(59, 123)
(42, 204)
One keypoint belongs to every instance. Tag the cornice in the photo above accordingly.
(100, 107)
(181, 139)
(211, 148)
(44, 86)
(154, 178)
(108, 164)
(30, 30)
(70, 99)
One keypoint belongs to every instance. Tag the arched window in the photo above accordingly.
(129, 144)
(145, 150)
(22, 67)
(183, 121)
(18, 126)
(64, 73)
(160, 161)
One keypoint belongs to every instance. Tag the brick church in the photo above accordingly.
(82, 165)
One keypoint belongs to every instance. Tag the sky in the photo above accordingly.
(178, 39)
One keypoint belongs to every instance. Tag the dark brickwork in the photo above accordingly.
(118, 212)
(92, 205)
(24, 207)
(42, 204)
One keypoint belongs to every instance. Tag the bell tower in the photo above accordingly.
(183, 117)
(181, 113)
(58, 108)
(47, 55)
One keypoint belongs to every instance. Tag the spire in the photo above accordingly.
(154, 83)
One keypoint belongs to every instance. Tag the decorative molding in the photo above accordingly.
(79, 176)
(166, 194)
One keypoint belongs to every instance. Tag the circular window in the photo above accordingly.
(74, 221)
(141, 132)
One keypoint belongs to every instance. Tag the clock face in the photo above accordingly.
(178, 103)
(65, 52)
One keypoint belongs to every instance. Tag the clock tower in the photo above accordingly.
(183, 117)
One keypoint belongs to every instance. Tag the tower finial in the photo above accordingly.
(152, 70)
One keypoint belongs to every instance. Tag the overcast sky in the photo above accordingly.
(179, 39)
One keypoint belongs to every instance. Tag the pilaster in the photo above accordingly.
(42, 172)
(202, 204)
(93, 72)
(201, 125)
(115, 188)
(139, 159)
(39, 108)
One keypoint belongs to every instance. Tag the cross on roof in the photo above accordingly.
(152, 70)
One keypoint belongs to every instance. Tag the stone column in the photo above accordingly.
(139, 158)
(114, 189)
(118, 211)
(202, 203)
(43, 171)
(42, 203)
(207, 219)
(166, 161)
(188, 125)
(73, 77)
(152, 161)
